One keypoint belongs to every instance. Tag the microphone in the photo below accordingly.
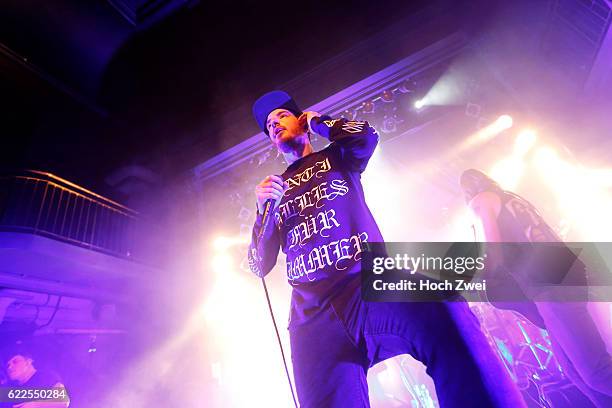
(265, 219)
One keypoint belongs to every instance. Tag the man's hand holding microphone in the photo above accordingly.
(271, 188)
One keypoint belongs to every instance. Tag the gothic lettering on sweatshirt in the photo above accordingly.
(322, 220)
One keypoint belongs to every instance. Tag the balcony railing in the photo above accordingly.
(44, 204)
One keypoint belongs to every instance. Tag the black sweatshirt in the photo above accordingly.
(322, 219)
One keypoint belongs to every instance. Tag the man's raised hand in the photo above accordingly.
(305, 118)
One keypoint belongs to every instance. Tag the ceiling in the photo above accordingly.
(93, 85)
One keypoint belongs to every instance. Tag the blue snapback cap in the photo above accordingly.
(271, 101)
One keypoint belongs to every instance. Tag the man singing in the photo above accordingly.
(503, 216)
(321, 221)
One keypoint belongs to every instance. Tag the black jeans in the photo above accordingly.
(332, 353)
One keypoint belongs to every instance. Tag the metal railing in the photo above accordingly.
(44, 204)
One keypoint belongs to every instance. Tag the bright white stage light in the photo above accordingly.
(448, 90)
(233, 314)
(419, 104)
(236, 315)
(222, 263)
(488, 132)
(382, 200)
(525, 140)
(602, 177)
(460, 226)
(547, 160)
(583, 202)
(504, 122)
(508, 172)
(222, 243)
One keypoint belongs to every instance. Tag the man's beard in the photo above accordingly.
(292, 144)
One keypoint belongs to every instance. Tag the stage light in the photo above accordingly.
(222, 263)
(222, 243)
(419, 103)
(449, 89)
(602, 177)
(508, 172)
(524, 142)
(581, 199)
(389, 124)
(459, 227)
(229, 324)
(487, 132)
(408, 86)
(384, 201)
(215, 369)
(504, 122)
(547, 160)
(387, 96)
(349, 114)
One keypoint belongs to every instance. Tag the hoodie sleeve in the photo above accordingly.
(356, 139)
(263, 251)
